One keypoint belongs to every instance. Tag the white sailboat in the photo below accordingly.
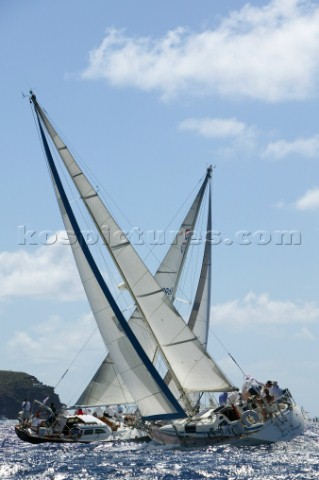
(159, 334)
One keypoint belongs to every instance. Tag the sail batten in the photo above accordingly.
(180, 343)
(120, 245)
(87, 197)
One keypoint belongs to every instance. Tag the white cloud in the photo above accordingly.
(241, 138)
(214, 127)
(256, 311)
(304, 147)
(59, 351)
(51, 340)
(50, 272)
(268, 52)
(309, 201)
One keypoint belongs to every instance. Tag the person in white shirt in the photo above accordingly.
(250, 387)
(98, 412)
(26, 407)
(109, 412)
(35, 422)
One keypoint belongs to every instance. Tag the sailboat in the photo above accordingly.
(158, 334)
(113, 389)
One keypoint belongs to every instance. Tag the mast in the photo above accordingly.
(199, 318)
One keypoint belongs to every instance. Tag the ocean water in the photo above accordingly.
(298, 459)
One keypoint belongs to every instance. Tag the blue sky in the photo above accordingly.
(150, 94)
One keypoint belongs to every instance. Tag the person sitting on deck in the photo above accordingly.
(267, 397)
(263, 401)
(36, 422)
(275, 390)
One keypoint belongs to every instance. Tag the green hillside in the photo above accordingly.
(16, 386)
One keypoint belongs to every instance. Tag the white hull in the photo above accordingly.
(281, 428)
(129, 434)
(210, 429)
(125, 429)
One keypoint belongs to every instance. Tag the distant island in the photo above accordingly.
(16, 386)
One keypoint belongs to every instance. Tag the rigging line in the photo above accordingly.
(226, 350)
(210, 329)
(76, 356)
(151, 249)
